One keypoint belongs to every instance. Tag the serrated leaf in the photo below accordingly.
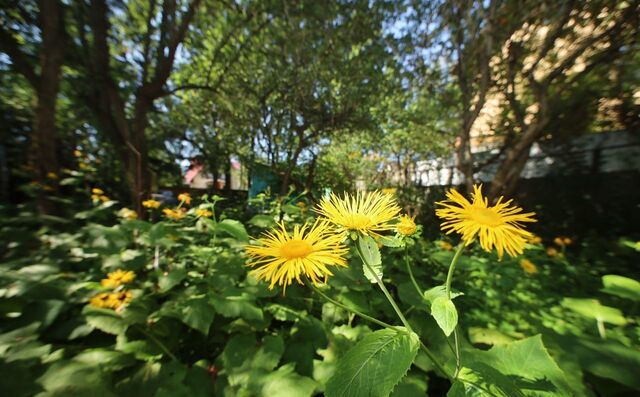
(171, 279)
(445, 313)
(105, 320)
(375, 365)
(521, 368)
(371, 253)
(284, 382)
(198, 314)
(621, 286)
(439, 290)
(233, 228)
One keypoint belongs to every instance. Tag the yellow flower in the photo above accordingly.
(97, 191)
(535, 239)
(389, 190)
(117, 278)
(367, 213)
(151, 204)
(99, 300)
(77, 153)
(562, 241)
(498, 226)
(301, 204)
(117, 300)
(105, 199)
(185, 198)
(406, 226)
(528, 266)
(445, 245)
(127, 213)
(52, 175)
(204, 213)
(552, 252)
(280, 257)
(173, 214)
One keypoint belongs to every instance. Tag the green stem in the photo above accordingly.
(384, 290)
(374, 320)
(345, 307)
(413, 279)
(158, 343)
(452, 266)
(601, 329)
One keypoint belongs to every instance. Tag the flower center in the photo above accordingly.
(296, 249)
(359, 221)
(486, 216)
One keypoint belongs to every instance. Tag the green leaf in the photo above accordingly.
(171, 279)
(198, 314)
(623, 287)
(488, 336)
(234, 303)
(105, 320)
(262, 221)
(371, 253)
(438, 291)
(375, 365)
(284, 382)
(591, 308)
(445, 313)
(233, 228)
(519, 368)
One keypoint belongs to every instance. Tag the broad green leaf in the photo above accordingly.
(105, 320)
(623, 287)
(171, 279)
(445, 313)
(591, 308)
(488, 336)
(519, 368)
(198, 314)
(233, 228)
(371, 253)
(439, 290)
(284, 382)
(375, 365)
(262, 221)
(235, 302)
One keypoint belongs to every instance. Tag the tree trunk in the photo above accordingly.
(44, 151)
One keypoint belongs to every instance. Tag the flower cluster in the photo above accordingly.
(184, 198)
(176, 214)
(97, 194)
(203, 213)
(152, 204)
(112, 300)
(118, 298)
(127, 213)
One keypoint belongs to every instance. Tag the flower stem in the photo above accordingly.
(384, 290)
(347, 308)
(413, 279)
(452, 266)
(158, 343)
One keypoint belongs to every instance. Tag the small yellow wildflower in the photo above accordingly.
(151, 204)
(52, 175)
(445, 245)
(497, 226)
(528, 266)
(173, 214)
(367, 213)
(99, 300)
(535, 240)
(185, 198)
(406, 226)
(77, 153)
(552, 252)
(117, 278)
(201, 212)
(97, 191)
(562, 241)
(280, 257)
(389, 190)
(127, 213)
